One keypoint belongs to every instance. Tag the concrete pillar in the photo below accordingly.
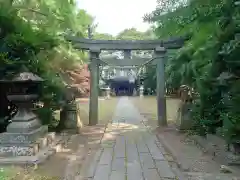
(94, 85)
(161, 98)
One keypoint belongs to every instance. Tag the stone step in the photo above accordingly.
(46, 141)
(42, 142)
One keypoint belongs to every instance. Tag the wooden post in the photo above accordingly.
(161, 98)
(94, 71)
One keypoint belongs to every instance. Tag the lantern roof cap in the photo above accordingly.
(26, 75)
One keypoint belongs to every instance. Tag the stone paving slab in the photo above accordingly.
(108, 144)
(119, 149)
(117, 175)
(154, 150)
(151, 174)
(102, 172)
(129, 150)
(134, 171)
(142, 148)
(93, 166)
(164, 169)
(106, 157)
(132, 153)
(146, 160)
(118, 164)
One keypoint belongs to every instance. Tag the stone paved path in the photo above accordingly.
(129, 151)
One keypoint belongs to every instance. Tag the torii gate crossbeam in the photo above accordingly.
(88, 44)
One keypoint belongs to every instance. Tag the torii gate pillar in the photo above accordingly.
(94, 83)
(161, 98)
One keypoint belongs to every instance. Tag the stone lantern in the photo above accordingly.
(141, 89)
(23, 94)
(25, 137)
(184, 120)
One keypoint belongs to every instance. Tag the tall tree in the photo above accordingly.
(207, 59)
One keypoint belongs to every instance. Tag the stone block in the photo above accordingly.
(51, 137)
(24, 149)
(24, 144)
(43, 142)
(23, 138)
(184, 120)
(18, 150)
(27, 153)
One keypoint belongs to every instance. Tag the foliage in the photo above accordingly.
(209, 62)
(103, 36)
(149, 80)
(32, 34)
(134, 34)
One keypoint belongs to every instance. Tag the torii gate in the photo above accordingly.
(160, 48)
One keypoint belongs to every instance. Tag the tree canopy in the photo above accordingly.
(134, 34)
(32, 34)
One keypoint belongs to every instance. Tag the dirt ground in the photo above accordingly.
(68, 161)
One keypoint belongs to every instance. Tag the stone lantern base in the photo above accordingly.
(27, 148)
(26, 140)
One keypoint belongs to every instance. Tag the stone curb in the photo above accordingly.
(170, 151)
(166, 146)
(177, 167)
(214, 152)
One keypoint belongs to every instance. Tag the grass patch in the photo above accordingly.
(5, 173)
(19, 173)
(106, 110)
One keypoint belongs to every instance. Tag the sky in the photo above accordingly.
(113, 16)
